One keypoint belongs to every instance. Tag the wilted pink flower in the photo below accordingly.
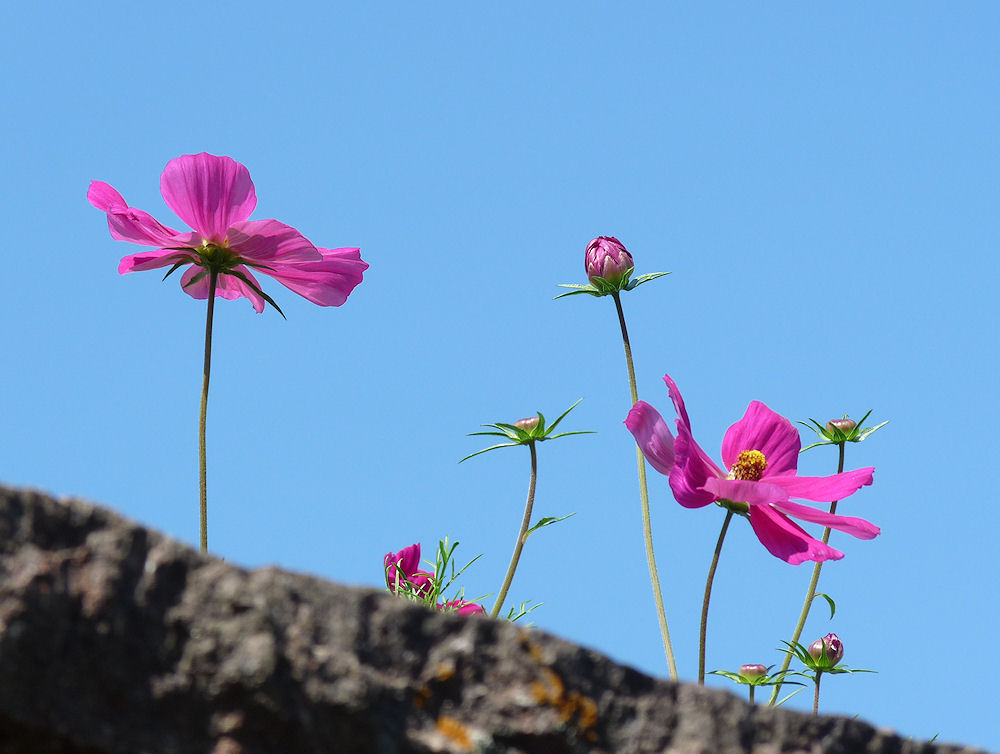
(215, 196)
(834, 649)
(403, 567)
(761, 453)
(461, 607)
(607, 258)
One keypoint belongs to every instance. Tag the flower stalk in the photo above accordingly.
(703, 632)
(522, 535)
(202, 420)
(647, 530)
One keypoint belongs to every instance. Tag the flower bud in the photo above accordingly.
(607, 258)
(527, 424)
(752, 672)
(844, 425)
(834, 649)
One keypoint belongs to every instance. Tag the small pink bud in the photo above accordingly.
(834, 649)
(607, 258)
(753, 672)
(844, 425)
(527, 424)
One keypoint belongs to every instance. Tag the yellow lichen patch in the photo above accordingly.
(421, 697)
(443, 672)
(454, 731)
(572, 705)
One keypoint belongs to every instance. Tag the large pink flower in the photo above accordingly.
(761, 453)
(215, 196)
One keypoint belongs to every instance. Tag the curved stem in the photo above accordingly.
(521, 536)
(810, 594)
(647, 529)
(202, 462)
(819, 674)
(708, 597)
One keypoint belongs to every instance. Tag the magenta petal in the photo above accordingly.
(130, 224)
(745, 491)
(226, 286)
(652, 436)
(327, 283)
(823, 489)
(692, 468)
(267, 241)
(785, 540)
(770, 433)
(209, 193)
(856, 527)
(151, 260)
(675, 396)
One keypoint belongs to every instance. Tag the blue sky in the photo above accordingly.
(820, 180)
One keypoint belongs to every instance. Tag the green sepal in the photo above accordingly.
(174, 269)
(519, 436)
(588, 289)
(196, 278)
(256, 290)
(492, 447)
(633, 284)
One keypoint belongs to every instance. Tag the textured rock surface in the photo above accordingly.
(114, 638)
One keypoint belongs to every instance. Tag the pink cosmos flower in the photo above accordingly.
(761, 453)
(404, 567)
(215, 196)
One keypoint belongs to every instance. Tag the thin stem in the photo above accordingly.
(708, 597)
(647, 529)
(810, 593)
(819, 674)
(522, 536)
(202, 462)
(752, 687)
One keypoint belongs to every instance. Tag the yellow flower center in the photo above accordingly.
(750, 465)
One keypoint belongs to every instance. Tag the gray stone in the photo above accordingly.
(114, 638)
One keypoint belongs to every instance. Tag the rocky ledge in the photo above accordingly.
(117, 639)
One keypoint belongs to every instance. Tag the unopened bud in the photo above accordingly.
(844, 425)
(607, 258)
(753, 672)
(527, 424)
(834, 649)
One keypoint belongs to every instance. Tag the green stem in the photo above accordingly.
(708, 597)
(522, 535)
(819, 674)
(202, 463)
(752, 687)
(647, 528)
(810, 594)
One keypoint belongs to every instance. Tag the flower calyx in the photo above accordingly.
(758, 675)
(822, 656)
(839, 431)
(525, 432)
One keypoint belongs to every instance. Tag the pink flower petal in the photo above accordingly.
(824, 489)
(131, 224)
(856, 527)
(675, 396)
(209, 193)
(151, 260)
(745, 491)
(786, 540)
(770, 433)
(267, 241)
(652, 436)
(327, 283)
(692, 468)
(226, 286)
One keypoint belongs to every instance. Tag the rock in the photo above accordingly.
(116, 639)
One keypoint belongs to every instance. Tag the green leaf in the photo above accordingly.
(492, 447)
(829, 601)
(782, 701)
(546, 521)
(868, 430)
(567, 434)
(257, 290)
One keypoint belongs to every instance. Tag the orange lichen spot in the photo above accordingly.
(444, 672)
(421, 697)
(453, 730)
